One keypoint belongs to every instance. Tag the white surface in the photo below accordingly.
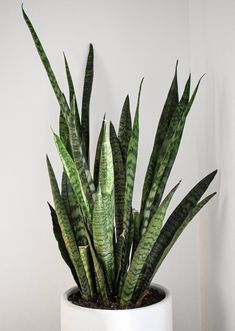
(212, 27)
(131, 39)
(155, 317)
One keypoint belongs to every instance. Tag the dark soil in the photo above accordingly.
(153, 295)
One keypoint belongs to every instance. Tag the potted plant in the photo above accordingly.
(112, 250)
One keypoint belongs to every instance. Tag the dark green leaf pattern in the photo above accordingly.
(125, 128)
(67, 234)
(61, 245)
(86, 99)
(59, 95)
(144, 248)
(169, 230)
(119, 179)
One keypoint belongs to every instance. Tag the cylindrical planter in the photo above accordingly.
(156, 317)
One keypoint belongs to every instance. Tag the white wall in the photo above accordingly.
(212, 45)
(131, 39)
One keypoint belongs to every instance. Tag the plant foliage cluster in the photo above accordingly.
(112, 250)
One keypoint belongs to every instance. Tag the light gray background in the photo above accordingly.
(132, 39)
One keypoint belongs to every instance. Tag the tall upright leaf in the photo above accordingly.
(98, 154)
(119, 179)
(74, 178)
(166, 116)
(125, 128)
(129, 186)
(73, 211)
(86, 99)
(78, 157)
(67, 234)
(144, 248)
(85, 257)
(170, 229)
(103, 215)
(99, 272)
(72, 95)
(167, 154)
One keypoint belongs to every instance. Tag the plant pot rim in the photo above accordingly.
(153, 306)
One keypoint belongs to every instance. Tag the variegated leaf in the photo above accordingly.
(125, 128)
(74, 178)
(72, 95)
(86, 99)
(170, 229)
(61, 245)
(79, 159)
(98, 154)
(166, 116)
(168, 153)
(129, 186)
(59, 95)
(103, 214)
(144, 248)
(119, 180)
(67, 234)
(85, 257)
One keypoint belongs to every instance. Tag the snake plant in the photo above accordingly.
(113, 250)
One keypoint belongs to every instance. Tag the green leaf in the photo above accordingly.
(99, 273)
(67, 234)
(98, 154)
(74, 178)
(72, 95)
(169, 230)
(129, 186)
(119, 180)
(100, 237)
(125, 128)
(61, 245)
(144, 248)
(78, 157)
(73, 211)
(86, 98)
(59, 95)
(165, 119)
(85, 256)
(166, 157)
(64, 131)
(190, 216)
(136, 220)
(103, 214)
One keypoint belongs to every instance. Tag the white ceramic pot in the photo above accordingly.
(156, 317)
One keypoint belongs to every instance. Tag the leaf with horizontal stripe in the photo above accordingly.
(129, 186)
(72, 95)
(103, 215)
(85, 257)
(79, 159)
(167, 154)
(98, 154)
(144, 248)
(125, 128)
(61, 245)
(166, 116)
(86, 98)
(74, 178)
(59, 95)
(119, 180)
(67, 234)
(99, 272)
(169, 230)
